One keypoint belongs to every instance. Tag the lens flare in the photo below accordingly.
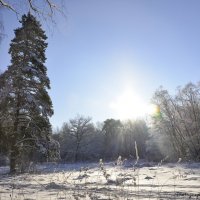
(153, 109)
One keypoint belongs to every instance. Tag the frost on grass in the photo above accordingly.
(103, 181)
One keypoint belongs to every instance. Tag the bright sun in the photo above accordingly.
(130, 106)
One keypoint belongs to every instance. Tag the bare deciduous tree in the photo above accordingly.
(179, 119)
(80, 128)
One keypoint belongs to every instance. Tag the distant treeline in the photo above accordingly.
(81, 140)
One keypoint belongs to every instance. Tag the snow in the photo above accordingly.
(108, 181)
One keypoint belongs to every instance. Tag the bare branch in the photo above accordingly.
(31, 6)
(51, 6)
(7, 5)
(36, 7)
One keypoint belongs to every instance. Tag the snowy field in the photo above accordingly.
(103, 181)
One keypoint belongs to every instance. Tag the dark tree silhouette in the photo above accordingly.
(24, 91)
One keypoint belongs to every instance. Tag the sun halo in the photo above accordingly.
(130, 106)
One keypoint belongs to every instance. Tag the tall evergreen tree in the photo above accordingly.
(28, 103)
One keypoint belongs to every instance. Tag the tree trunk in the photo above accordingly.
(76, 152)
(13, 157)
(13, 148)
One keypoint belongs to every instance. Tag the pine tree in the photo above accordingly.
(29, 105)
(5, 117)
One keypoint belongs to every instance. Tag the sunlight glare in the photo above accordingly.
(128, 106)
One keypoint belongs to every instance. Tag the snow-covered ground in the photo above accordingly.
(108, 181)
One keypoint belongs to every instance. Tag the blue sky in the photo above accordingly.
(109, 56)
